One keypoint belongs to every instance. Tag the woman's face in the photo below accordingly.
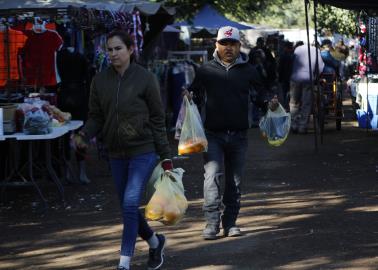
(118, 52)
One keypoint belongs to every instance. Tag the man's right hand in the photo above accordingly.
(186, 93)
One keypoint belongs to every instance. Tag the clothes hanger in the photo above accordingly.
(3, 26)
(39, 26)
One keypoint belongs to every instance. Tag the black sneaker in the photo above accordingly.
(122, 268)
(156, 255)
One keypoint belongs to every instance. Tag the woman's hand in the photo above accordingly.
(79, 141)
(167, 165)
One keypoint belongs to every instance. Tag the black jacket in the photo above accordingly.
(225, 93)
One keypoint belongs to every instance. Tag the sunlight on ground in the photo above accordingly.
(300, 201)
(368, 264)
(350, 124)
(311, 263)
(371, 208)
(272, 212)
(85, 244)
(212, 267)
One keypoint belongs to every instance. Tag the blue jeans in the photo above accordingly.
(130, 177)
(226, 148)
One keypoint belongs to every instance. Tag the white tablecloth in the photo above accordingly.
(363, 91)
(56, 132)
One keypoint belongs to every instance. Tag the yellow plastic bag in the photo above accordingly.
(168, 204)
(192, 137)
(275, 126)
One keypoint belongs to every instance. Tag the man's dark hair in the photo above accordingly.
(288, 44)
(326, 42)
(123, 35)
(298, 43)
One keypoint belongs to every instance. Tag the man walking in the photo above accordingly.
(222, 89)
(301, 88)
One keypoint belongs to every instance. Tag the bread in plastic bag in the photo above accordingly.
(275, 126)
(192, 137)
(168, 204)
(37, 122)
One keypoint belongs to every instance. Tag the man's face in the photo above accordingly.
(228, 50)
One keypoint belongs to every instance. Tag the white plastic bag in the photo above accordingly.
(168, 204)
(156, 174)
(180, 120)
(275, 126)
(192, 137)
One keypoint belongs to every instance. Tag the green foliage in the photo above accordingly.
(275, 13)
(242, 10)
(279, 14)
(336, 20)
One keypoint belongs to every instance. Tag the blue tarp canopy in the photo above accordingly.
(211, 19)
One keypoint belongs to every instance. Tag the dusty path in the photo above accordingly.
(301, 210)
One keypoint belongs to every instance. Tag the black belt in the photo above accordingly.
(227, 131)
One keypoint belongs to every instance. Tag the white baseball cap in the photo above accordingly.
(228, 32)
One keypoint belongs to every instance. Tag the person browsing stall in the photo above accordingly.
(126, 108)
(222, 88)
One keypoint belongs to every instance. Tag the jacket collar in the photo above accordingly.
(126, 73)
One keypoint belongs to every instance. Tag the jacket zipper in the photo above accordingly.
(117, 112)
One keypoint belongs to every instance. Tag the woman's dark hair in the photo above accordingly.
(123, 35)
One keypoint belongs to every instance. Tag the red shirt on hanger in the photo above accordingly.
(16, 41)
(40, 58)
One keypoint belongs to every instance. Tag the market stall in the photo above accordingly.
(364, 83)
(49, 51)
(363, 5)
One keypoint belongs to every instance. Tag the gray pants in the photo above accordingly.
(228, 149)
(300, 104)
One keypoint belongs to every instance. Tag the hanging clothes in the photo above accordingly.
(11, 42)
(181, 75)
(173, 75)
(73, 94)
(160, 69)
(40, 58)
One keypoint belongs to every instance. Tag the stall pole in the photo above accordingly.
(306, 3)
(365, 52)
(319, 89)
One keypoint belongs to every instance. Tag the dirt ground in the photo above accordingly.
(301, 210)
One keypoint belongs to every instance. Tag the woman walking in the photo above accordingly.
(126, 108)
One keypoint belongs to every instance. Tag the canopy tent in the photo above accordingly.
(351, 4)
(144, 7)
(38, 4)
(210, 19)
(171, 29)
